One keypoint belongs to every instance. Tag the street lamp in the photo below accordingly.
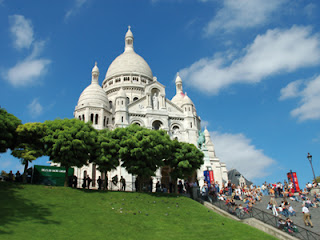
(310, 160)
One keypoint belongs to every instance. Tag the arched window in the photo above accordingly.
(92, 116)
(121, 119)
(97, 119)
(80, 117)
(128, 100)
(156, 125)
(190, 124)
(110, 104)
(122, 102)
(104, 121)
(107, 121)
(83, 117)
(135, 99)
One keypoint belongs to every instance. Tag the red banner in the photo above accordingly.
(292, 177)
(211, 177)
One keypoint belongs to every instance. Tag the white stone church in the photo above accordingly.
(130, 94)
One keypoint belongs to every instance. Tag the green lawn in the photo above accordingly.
(41, 212)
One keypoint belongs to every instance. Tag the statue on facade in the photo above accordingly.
(155, 101)
(201, 139)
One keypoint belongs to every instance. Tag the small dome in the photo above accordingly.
(93, 95)
(95, 69)
(129, 33)
(178, 79)
(178, 99)
(187, 100)
(206, 132)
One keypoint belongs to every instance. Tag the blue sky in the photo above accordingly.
(250, 66)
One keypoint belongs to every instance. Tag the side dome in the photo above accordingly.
(129, 62)
(93, 95)
(187, 100)
(178, 99)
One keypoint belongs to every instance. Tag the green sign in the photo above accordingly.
(47, 175)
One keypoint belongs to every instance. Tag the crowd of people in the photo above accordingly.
(241, 199)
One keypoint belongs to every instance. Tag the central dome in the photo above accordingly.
(129, 62)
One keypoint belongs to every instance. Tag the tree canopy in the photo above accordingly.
(184, 160)
(142, 150)
(8, 126)
(107, 151)
(29, 143)
(70, 142)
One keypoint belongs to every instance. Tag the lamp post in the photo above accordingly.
(310, 160)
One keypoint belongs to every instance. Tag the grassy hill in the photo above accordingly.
(42, 212)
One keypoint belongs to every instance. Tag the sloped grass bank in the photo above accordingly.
(42, 212)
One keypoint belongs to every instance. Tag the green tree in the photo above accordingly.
(142, 151)
(70, 142)
(29, 144)
(184, 160)
(8, 126)
(106, 152)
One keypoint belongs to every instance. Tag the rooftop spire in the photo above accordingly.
(178, 84)
(129, 40)
(95, 74)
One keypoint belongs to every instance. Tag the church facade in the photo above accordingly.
(130, 94)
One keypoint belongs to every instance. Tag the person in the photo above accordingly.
(99, 181)
(84, 182)
(18, 176)
(123, 184)
(217, 187)
(306, 216)
(204, 191)
(74, 181)
(88, 181)
(10, 176)
(158, 187)
(180, 187)
(229, 185)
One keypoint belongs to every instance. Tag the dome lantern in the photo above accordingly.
(129, 40)
(95, 74)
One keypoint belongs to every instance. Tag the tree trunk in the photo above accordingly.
(66, 178)
(24, 176)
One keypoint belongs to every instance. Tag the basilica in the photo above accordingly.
(130, 94)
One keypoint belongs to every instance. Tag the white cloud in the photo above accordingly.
(237, 151)
(76, 7)
(277, 51)
(237, 14)
(35, 108)
(291, 90)
(21, 30)
(309, 105)
(27, 72)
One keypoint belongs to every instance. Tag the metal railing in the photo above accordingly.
(270, 219)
